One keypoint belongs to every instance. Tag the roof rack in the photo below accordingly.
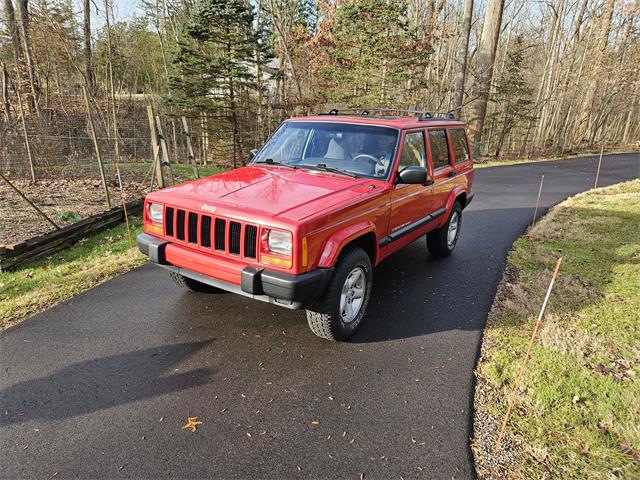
(422, 115)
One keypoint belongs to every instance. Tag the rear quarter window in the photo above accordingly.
(459, 143)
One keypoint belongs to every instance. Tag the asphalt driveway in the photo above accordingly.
(100, 386)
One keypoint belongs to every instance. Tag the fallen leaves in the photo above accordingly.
(192, 424)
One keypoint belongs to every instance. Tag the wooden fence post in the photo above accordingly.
(26, 136)
(192, 157)
(163, 147)
(92, 129)
(157, 169)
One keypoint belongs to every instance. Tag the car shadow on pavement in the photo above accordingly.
(415, 293)
(101, 383)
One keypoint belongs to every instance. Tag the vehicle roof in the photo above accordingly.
(401, 122)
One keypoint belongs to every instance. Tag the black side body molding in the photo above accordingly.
(386, 240)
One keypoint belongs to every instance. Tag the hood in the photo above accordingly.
(266, 191)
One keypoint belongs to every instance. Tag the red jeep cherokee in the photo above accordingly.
(323, 201)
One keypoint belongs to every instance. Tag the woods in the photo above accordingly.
(530, 78)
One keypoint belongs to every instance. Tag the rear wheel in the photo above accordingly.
(343, 305)
(442, 241)
(191, 284)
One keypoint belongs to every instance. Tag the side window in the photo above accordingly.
(459, 142)
(439, 148)
(413, 151)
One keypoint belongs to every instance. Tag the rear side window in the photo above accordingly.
(439, 148)
(459, 142)
(413, 151)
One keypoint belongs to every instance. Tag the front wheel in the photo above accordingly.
(342, 307)
(442, 241)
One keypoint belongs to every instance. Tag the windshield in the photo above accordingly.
(363, 150)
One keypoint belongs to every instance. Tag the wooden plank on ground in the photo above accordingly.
(49, 243)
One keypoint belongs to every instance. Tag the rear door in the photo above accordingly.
(440, 166)
(460, 147)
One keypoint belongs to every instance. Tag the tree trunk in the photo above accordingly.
(461, 65)
(88, 66)
(23, 10)
(6, 106)
(12, 29)
(486, 58)
(602, 39)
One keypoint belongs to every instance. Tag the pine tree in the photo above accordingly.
(211, 68)
(371, 54)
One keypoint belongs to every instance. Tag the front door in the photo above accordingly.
(409, 203)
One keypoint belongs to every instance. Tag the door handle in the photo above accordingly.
(451, 174)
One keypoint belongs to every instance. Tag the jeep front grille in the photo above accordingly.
(206, 231)
(221, 226)
(234, 238)
(193, 227)
(250, 239)
(169, 221)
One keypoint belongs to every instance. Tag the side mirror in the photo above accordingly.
(252, 153)
(412, 175)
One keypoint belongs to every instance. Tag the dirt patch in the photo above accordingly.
(64, 201)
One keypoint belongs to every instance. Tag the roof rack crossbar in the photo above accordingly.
(382, 112)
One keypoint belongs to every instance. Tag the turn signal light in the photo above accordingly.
(275, 261)
(150, 228)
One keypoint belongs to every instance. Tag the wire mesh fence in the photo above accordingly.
(60, 143)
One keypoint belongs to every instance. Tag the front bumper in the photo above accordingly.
(284, 289)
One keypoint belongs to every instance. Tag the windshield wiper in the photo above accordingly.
(324, 168)
(271, 161)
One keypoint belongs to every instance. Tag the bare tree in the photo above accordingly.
(88, 65)
(23, 25)
(461, 64)
(602, 39)
(486, 57)
(12, 28)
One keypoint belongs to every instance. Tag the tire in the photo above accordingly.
(325, 318)
(191, 284)
(439, 242)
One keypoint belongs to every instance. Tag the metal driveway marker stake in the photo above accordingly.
(526, 358)
(595, 185)
(535, 211)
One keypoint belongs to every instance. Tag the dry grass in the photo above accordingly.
(577, 414)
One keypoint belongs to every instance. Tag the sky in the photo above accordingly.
(123, 10)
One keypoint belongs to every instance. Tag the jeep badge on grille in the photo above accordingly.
(208, 208)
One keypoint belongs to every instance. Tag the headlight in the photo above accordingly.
(155, 212)
(280, 242)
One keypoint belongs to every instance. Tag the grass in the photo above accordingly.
(577, 414)
(39, 284)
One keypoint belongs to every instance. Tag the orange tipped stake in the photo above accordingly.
(526, 358)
